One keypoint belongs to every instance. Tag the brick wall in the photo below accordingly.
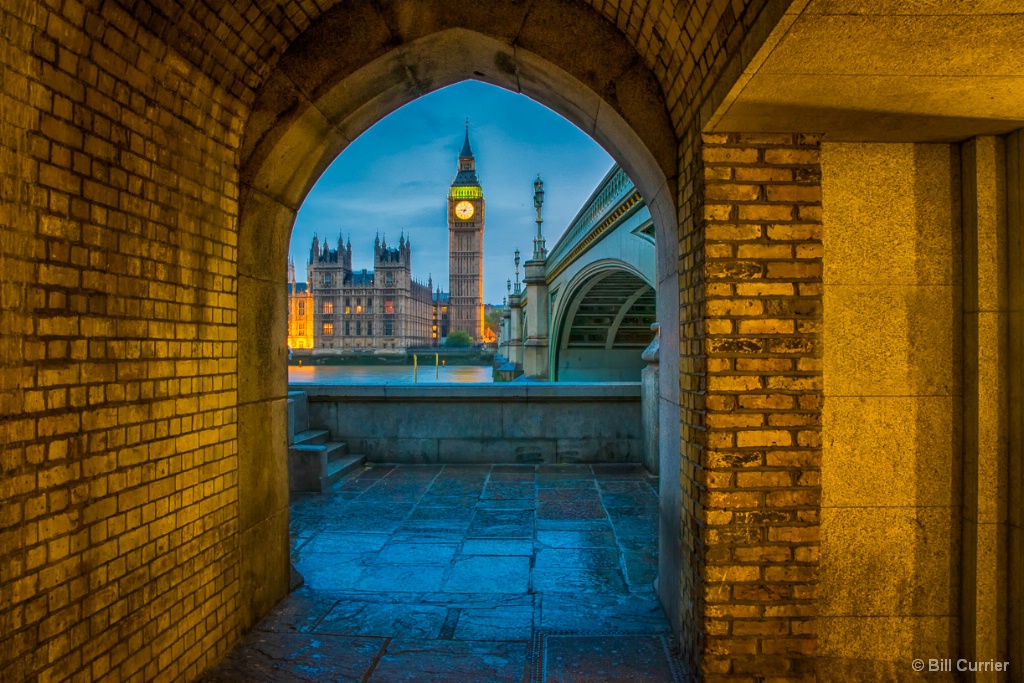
(117, 353)
(754, 446)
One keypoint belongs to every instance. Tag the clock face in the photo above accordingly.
(464, 210)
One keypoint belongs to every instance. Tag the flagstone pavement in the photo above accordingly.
(517, 573)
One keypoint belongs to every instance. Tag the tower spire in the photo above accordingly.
(467, 150)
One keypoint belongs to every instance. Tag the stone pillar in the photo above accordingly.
(983, 583)
(1015, 455)
(753, 477)
(535, 347)
(649, 386)
(515, 341)
(892, 419)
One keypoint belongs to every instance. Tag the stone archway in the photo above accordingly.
(352, 67)
(608, 296)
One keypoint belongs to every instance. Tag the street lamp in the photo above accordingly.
(517, 272)
(539, 250)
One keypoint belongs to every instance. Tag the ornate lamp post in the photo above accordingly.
(539, 250)
(518, 290)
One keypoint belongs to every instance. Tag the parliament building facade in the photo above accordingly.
(341, 309)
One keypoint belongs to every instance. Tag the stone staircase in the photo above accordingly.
(314, 460)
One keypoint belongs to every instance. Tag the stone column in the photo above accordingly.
(983, 586)
(649, 401)
(515, 342)
(535, 348)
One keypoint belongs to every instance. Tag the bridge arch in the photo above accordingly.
(354, 65)
(601, 323)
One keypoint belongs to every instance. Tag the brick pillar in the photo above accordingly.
(757, 477)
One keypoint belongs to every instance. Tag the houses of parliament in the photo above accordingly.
(341, 309)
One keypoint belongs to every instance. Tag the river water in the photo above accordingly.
(384, 374)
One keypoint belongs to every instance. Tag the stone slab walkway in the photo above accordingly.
(522, 574)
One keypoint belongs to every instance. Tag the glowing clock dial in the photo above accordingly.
(464, 210)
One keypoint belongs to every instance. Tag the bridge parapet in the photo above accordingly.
(596, 216)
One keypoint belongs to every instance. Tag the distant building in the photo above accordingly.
(385, 308)
(338, 308)
(300, 313)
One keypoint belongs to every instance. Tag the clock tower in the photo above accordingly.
(466, 247)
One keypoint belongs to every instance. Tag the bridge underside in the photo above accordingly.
(606, 327)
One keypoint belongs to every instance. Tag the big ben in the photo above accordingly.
(466, 247)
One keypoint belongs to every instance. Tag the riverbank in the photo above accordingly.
(372, 357)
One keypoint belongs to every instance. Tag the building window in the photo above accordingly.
(369, 305)
(328, 329)
(359, 306)
(389, 306)
(302, 308)
(369, 328)
(444, 309)
(348, 329)
(327, 279)
(387, 328)
(359, 329)
(389, 279)
(348, 306)
(328, 307)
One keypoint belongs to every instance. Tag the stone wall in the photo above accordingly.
(461, 424)
(892, 427)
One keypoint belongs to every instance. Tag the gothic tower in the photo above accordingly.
(466, 247)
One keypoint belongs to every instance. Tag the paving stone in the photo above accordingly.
(273, 657)
(496, 623)
(577, 558)
(607, 658)
(593, 612)
(509, 490)
(362, 618)
(577, 580)
(334, 542)
(418, 661)
(331, 571)
(581, 538)
(501, 524)
(571, 510)
(400, 578)
(299, 612)
(489, 574)
(462, 580)
(416, 553)
(503, 546)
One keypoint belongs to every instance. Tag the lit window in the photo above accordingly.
(348, 309)
(302, 308)
(444, 309)
(359, 308)
(389, 306)
(328, 307)
(328, 329)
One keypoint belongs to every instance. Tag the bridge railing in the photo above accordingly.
(615, 188)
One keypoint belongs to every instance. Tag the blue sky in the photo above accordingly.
(395, 178)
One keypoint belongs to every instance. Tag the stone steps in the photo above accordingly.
(314, 463)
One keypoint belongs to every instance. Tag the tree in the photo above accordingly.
(458, 339)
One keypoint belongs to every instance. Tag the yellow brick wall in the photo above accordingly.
(118, 481)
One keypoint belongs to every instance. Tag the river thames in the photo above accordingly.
(387, 374)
